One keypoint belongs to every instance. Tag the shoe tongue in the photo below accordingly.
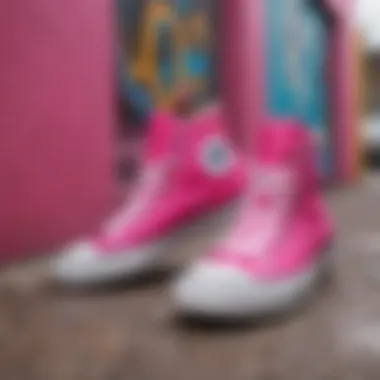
(168, 135)
(160, 139)
(278, 141)
(265, 210)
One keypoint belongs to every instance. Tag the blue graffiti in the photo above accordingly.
(297, 40)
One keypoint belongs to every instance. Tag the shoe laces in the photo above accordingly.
(263, 211)
(148, 186)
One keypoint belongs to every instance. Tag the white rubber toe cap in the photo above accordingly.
(213, 290)
(82, 263)
(74, 261)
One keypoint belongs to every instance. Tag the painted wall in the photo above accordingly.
(246, 75)
(296, 52)
(242, 67)
(55, 121)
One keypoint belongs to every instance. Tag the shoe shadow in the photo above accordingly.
(197, 325)
(139, 283)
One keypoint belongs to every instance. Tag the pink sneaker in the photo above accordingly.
(276, 249)
(189, 169)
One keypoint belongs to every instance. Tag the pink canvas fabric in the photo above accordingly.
(189, 169)
(283, 225)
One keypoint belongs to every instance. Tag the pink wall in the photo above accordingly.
(55, 118)
(342, 79)
(242, 65)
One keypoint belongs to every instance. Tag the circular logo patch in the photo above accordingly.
(216, 156)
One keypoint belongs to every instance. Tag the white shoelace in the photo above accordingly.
(263, 211)
(145, 190)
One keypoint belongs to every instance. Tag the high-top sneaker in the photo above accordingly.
(189, 168)
(275, 251)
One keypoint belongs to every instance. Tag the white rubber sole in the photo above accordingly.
(80, 265)
(90, 268)
(211, 291)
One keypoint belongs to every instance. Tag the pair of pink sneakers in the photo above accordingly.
(275, 249)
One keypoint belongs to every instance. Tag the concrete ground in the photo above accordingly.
(128, 331)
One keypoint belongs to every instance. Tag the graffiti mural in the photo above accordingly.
(297, 32)
(168, 51)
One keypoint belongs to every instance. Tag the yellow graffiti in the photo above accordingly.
(184, 33)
